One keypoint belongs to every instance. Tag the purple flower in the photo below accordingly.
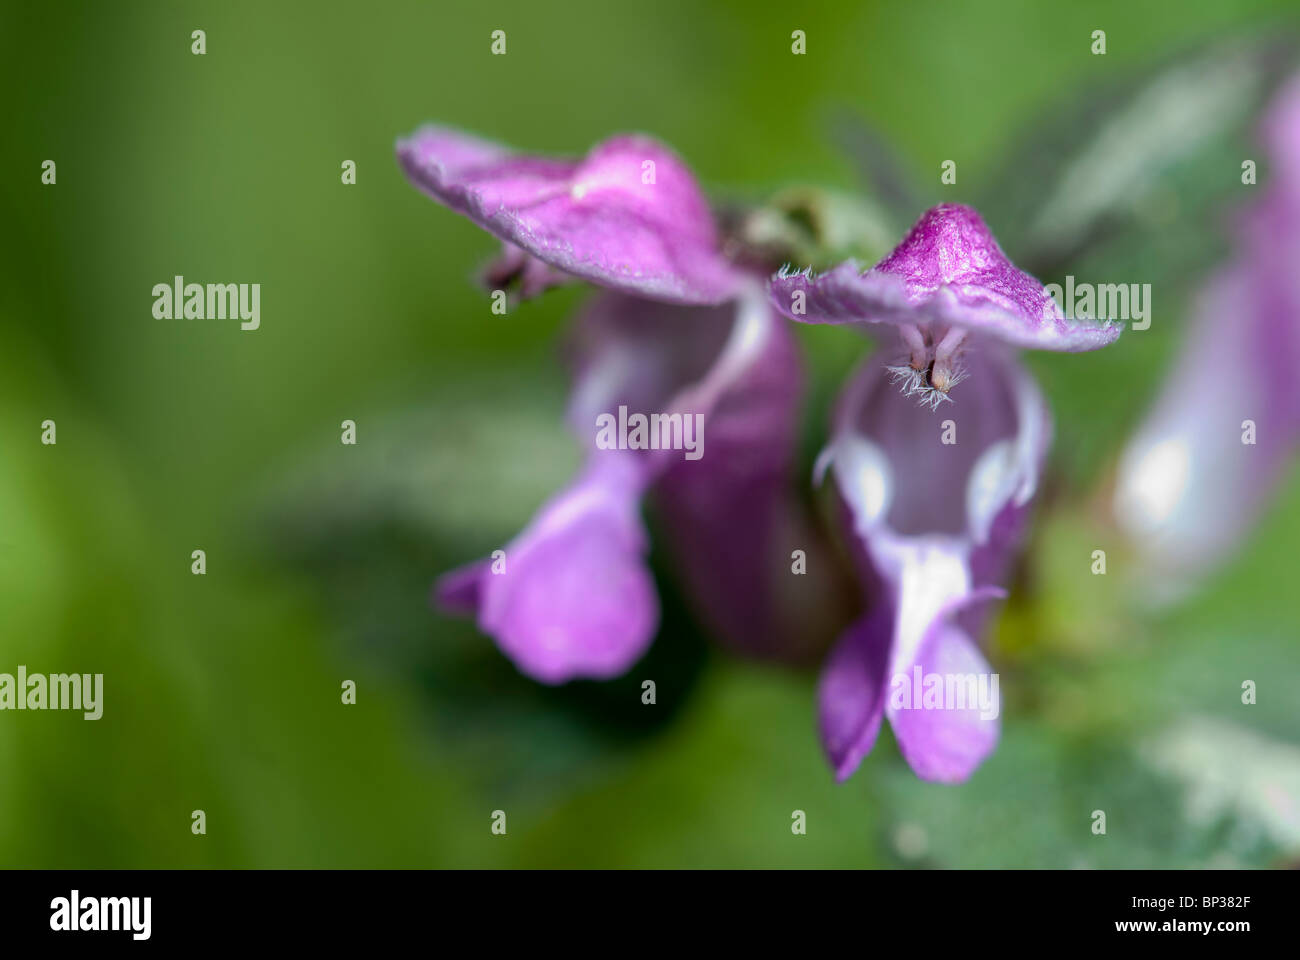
(947, 285)
(936, 525)
(1200, 466)
(936, 509)
(679, 332)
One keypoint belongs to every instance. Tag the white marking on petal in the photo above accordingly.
(993, 481)
(1153, 484)
(865, 480)
(745, 343)
(932, 573)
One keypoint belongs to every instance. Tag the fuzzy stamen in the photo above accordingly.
(909, 380)
(930, 372)
(928, 396)
(947, 372)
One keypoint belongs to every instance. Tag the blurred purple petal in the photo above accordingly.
(460, 591)
(851, 691)
(732, 519)
(1187, 486)
(628, 216)
(1199, 469)
(648, 356)
(572, 596)
(576, 575)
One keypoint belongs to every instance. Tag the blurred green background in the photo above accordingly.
(222, 692)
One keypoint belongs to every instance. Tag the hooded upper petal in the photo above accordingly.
(628, 216)
(949, 271)
(937, 523)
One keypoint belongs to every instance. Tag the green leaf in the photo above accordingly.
(1158, 152)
